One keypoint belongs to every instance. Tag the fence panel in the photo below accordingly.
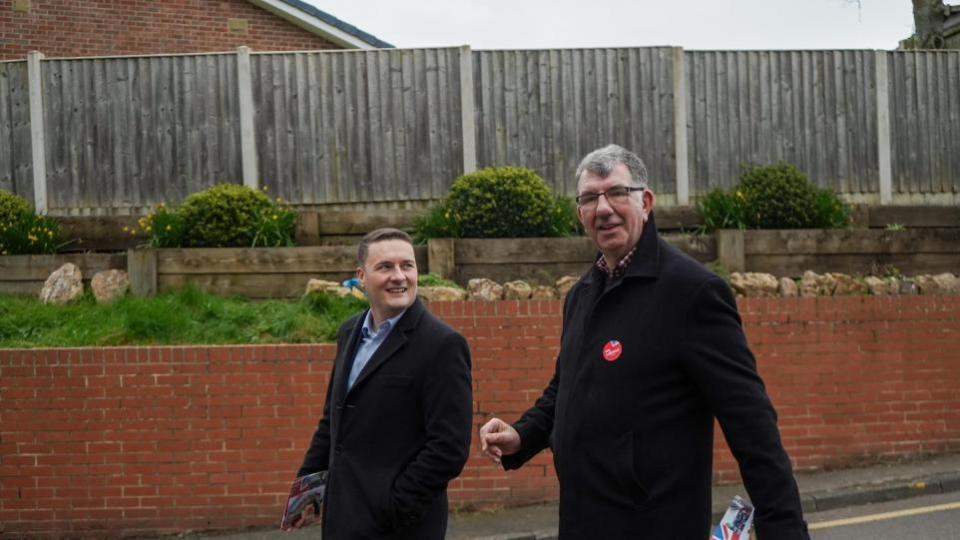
(925, 121)
(16, 168)
(545, 109)
(351, 126)
(124, 133)
(814, 109)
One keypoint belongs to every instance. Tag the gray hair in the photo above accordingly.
(602, 161)
(379, 235)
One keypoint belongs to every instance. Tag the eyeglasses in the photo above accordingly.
(614, 195)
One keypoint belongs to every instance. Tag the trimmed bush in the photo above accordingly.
(231, 215)
(775, 196)
(499, 202)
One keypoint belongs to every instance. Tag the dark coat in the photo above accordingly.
(401, 433)
(633, 437)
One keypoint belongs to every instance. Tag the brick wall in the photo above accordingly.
(63, 28)
(98, 442)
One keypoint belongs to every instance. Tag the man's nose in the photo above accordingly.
(397, 273)
(603, 205)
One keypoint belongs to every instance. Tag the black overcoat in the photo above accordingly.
(399, 435)
(632, 432)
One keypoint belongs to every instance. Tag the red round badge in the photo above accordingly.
(612, 350)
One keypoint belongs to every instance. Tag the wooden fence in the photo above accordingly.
(115, 135)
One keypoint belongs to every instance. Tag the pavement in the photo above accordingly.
(819, 491)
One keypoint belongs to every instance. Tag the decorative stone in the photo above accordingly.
(324, 286)
(64, 285)
(543, 292)
(882, 286)
(814, 284)
(788, 288)
(110, 285)
(846, 285)
(441, 294)
(939, 284)
(808, 284)
(517, 290)
(754, 284)
(484, 289)
(564, 285)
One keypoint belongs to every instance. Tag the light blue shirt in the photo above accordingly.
(370, 341)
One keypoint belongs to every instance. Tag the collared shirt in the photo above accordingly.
(618, 271)
(370, 341)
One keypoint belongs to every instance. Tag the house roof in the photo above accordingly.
(321, 23)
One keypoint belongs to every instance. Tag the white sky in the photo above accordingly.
(691, 24)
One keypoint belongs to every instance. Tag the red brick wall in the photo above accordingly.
(105, 441)
(63, 28)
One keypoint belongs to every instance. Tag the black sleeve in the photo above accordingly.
(719, 360)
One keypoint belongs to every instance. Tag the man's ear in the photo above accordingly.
(648, 201)
(361, 275)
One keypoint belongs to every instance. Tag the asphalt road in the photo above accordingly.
(933, 517)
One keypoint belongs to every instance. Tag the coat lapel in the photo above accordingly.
(396, 340)
(349, 350)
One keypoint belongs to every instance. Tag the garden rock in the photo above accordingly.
(484, 289)
(847, 285)
(543, 292)
(813, 284)
(64, 285)
(441, 294)
(788, 288)
(753, 284)
(945, 283)
(564, 285)
(517, 290)
(882, 286)
(326, 287)
(109, 285)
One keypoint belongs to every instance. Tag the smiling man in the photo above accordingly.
(651, 351)
(398, 413)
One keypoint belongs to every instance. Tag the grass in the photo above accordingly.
(186, 316)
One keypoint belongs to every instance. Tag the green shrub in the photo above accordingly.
(720, 209)
(499, 202)
(23, 231)
(12, 207)
(563, 217)
(163, 227)
(437, 223)
(502, 202)
(433, 280)
(831, 211)
(231, 215)
(775, 196)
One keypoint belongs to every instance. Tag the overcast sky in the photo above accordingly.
(692, 24)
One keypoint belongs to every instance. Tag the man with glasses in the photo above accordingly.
(651, 351)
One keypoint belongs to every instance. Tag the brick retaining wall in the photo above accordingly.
(112, 441)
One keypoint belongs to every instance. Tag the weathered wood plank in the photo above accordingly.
(850, 241)
(39, 267)
(914, 216)
(909, 264)
(257, 260)
(256, 286)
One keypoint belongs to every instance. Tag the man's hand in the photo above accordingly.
(498, 439)
(308, 516)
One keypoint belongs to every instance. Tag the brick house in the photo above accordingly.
(70, 28)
